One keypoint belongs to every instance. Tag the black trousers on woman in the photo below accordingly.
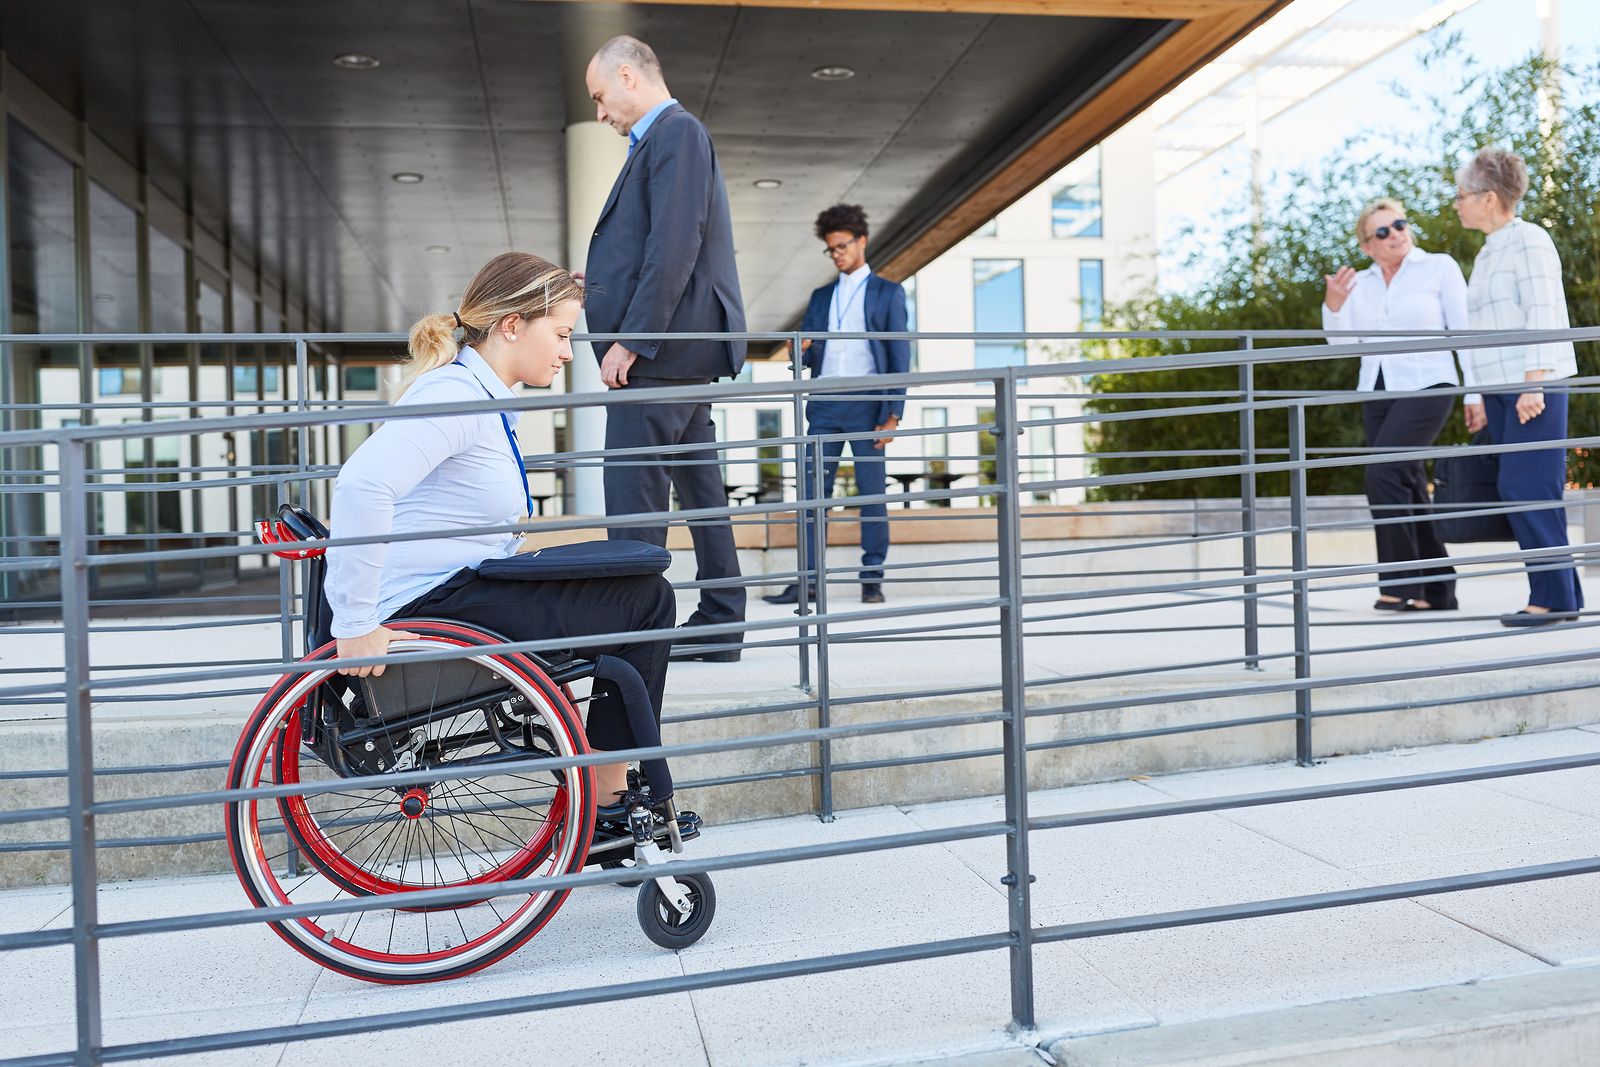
(537, 611)
(1400, 491)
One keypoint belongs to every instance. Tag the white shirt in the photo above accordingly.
(1516, 285)
(421, 474)
(847, 313)
(1426, 293)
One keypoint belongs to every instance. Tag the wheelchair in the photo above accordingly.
(497, 823)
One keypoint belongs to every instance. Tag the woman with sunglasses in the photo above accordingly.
(1516, 285)
(1404, 289)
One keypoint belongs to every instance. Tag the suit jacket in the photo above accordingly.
(661, 259)
(885, 313)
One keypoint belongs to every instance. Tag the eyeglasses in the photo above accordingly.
(1382, 232)
(1476, 192)
(839, 249)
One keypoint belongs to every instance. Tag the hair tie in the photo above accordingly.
(459, 324)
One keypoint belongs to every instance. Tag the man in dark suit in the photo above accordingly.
(661, 261)
(858, 301)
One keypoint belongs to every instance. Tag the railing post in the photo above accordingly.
(80, 746)
(819, 548)
(797, 365)
(1247, 508)
(1018, 878)
(1299, 562)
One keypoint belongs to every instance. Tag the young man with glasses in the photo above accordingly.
(857, 301)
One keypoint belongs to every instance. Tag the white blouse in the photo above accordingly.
(413, 475)
(1426, 293)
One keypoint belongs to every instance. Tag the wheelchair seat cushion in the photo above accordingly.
(585, 559)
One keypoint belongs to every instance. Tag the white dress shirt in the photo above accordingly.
(1426, 293)
(1516, 285)
(847, 313)
(420, 474)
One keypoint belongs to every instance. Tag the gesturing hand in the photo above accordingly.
(375, 643)
(1339, 286)
(614, 367)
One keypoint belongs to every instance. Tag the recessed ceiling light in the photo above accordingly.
(438, 250)
(104, 298)
(354, 61)
(833, 73)
(766, 183)
(406, 177)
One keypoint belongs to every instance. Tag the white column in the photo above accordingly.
(594, 156)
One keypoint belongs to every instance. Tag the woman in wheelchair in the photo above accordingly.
(401, 592)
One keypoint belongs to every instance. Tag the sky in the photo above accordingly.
(1497, 33)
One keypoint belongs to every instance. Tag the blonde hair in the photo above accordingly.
(1372, 208)
(512, 283)
(1494, 170)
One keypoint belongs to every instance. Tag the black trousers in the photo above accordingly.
(1400, 490)
(535, 611)
(639, 484)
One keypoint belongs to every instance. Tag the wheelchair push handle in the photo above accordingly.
(292, 524)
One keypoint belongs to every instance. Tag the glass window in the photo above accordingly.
(1040, 465)
(1075, 209)
(988, 229)
(911, 317)
(113, 264)
(997, 308)
(361, 379)
(169, 308)
(936, 446)
(44, 244)
(1091, 292)
(769, 466)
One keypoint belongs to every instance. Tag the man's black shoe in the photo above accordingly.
(791, 595)
(712, 650)
(872, 594)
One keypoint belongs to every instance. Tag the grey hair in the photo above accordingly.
(632, 52)
(1494, 170)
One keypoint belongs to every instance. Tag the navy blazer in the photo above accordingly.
(661, 259)
(885, 313)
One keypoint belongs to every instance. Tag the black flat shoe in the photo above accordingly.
(705, 652)
(1391, 605)
(791, 595)
(1452, 606)
(1537, 618)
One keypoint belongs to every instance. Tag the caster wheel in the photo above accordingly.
(612, 865)
(661, 922)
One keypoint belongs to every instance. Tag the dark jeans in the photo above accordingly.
(535, 611)
(870, 475)
(1400, 491)
(637, 484)
(1531, 476)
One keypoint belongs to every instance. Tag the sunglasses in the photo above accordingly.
(1382, 232)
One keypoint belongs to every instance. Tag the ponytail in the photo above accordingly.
(512, 283)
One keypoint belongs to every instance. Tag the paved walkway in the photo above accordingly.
(213, 980)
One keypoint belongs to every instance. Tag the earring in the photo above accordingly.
(513, 337)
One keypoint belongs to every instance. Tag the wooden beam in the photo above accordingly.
(1124, 9)
(1185, 51)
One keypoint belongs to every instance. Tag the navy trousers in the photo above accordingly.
(850, 417)
(1535, 476)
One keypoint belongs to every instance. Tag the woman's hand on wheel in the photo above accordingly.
(1476, 417)
(369, 645)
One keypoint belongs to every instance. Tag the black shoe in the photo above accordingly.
(1537, 618)
(1391, 605)
(710, 650)
(791, 595)
(872, 594)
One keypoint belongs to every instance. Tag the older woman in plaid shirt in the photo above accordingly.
(1516, 285)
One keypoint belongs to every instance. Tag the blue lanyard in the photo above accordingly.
(838, 322)
(511, 435)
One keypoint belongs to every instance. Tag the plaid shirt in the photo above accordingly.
(1516, 285)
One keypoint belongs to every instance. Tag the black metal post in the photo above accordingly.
(1299, 561)
(1247, 508)
(80, 746)
(1018, 878)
